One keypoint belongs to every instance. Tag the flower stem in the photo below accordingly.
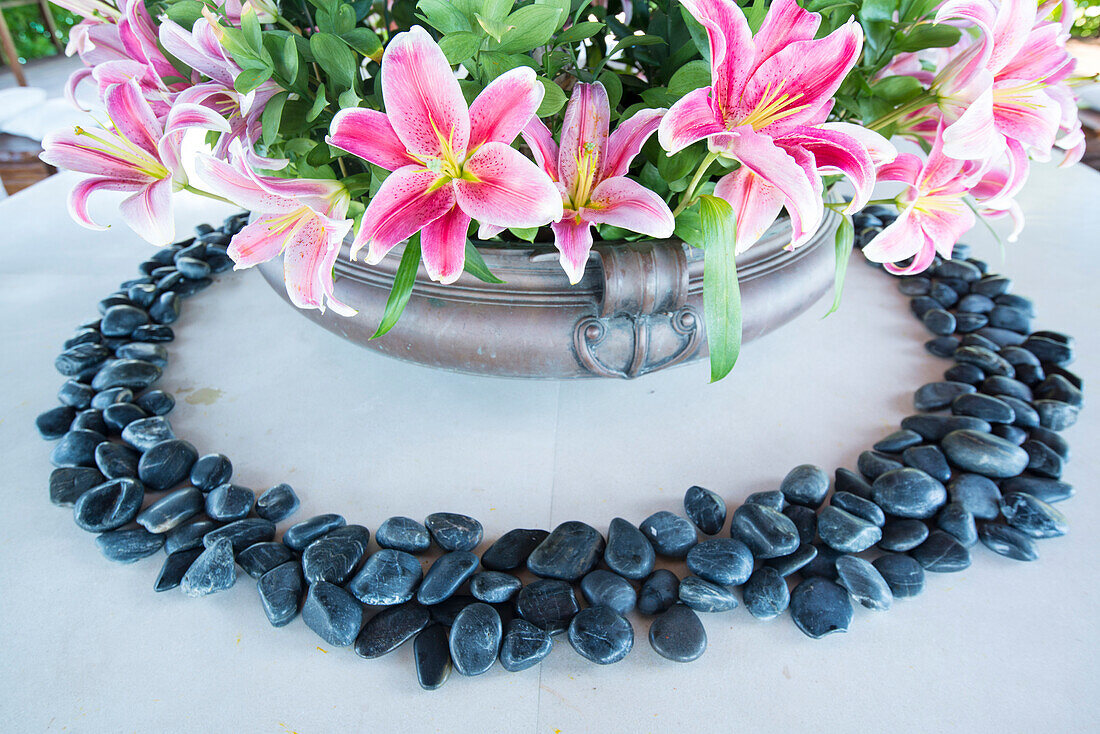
(207, 194)
(893, 116)
(688, 197)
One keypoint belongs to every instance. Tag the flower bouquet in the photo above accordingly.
(433, 122)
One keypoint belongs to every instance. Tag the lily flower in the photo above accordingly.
(933, 211)
(766, 108)
(451, 163)
(588, 170)
(135, 153)
(304, 219)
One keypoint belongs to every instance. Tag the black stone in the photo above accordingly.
(1012, 434)
(902, 534)
(788, 564)
(898, 441)
(864, 582)
(133, 374)
(843, 531)
(823, 564)
(167, 464)
(1026, 416)
(432, 655)
(767, 533)
(1049, 350)
(820, 607)
(210, 471)
(524, 646)
(1055, 415)
(938, 395)
(106, 398)
(725, 561)
(956, 520)
(449, 572)
(281, 590)
(175, 566)
(153, 333)
(805, 520)
(967, 373)
(704, 596)
(609, 589)
(902, 573)
(120, 415)
(942, 553)
(445, 612)
(984, 453)
(659, 592)
(389, 629)
(67, 484)
(939, 321)
(930, 460)
(806, 485)
(628, 553)
(331, 559)
(986, 407)
(388, 577)
(76, 394)
(1033, 516)
(495, 587)
(1047, 490)
(108, 506)
(242, 533)
(966, 323)
(569, 552)
(976, 494)
(171, 510)
(82, 357)
(908, 492)
(300, 535)
(259, 558)
(166, 308)
(935, 427)
(405, 534)
(146, 433)
(872, 464)
(475, 639)
(334, 614)
(999, 385)
(704, 508)
(116, 461)
(509, 552)
(848, 481)
(76, 448)
(213, 571)
(548, 604)
(765, 594)
(670, 534)
(146, 351)
(1043, 460)
(598, 634)
(129, 545)
(1008, 542)
(858, 506)
(453, 532)
(55, 422)
(1052, 439)
(942, 346)
(188, 535)
(229, 502)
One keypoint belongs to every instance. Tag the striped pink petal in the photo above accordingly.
(583, 139)
(573, 238)
(369, 135)
(620, 202)
(443, 245)
(406, 201)
(308, 260)
(78, 197)
(626, 141)
(543, 147)
(756, 204)
(149, 212)
(691, 118)
(509, 190)
(505, 106)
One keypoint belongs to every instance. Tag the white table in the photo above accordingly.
(87, 646)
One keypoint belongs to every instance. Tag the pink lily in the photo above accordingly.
(451, 163)
(765, 108)
(588, 170)
(139, 38)
(137, 153)
(304, 219)
(933, 213)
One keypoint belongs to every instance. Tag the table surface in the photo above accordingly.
(87, 645)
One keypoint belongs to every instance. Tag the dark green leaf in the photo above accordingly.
(614, 87)
(250, 25)
(443, 16)
(929, 36)
(460, 46)
(365, 41)
(897, 89)
(402, 286)
(335, 58)
(721, 292)
(579, 32)
(319, 103)
(631, 41)
(249, 79)
(554, 99)
(530, 27)
(689, 77)
(185, 12)
(272, 117)
(475, 266)
(878, 9)
(845, 236)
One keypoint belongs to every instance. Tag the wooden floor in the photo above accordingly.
(19, 163)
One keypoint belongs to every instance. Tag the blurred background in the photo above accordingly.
(34, 33)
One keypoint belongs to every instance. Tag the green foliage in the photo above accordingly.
(721, 291)
(29, 32)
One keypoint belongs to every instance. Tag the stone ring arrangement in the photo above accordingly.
(981, 460)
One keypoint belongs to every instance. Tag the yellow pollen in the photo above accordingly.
(773, 106)
(588, 161)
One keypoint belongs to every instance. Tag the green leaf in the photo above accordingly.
(897, 89)
(845, 236)
(357, 184)
(250, 24)
(475, 266)
(614, 87)
(721, 292)
(402, 286)
(185, 12)
(272, 117)
(698, 33)
(319, 103)
(249, 79)
(460, 46)
(495, 63)
(530, 27)
(554, 99)
(929, 35)
(755, 16)
(334, 56)
(495, 28)
(443, 16)
(631, 41)
(878, 9)
(365, 41)
(579, 32)
(286, 61)
(689, 77)
(495, 9)
(527, 234)
(347, 99)
(320, 155)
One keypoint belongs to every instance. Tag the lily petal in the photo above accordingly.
(132, 116)
(837, 152)
(149, 212)
(308, 260)
(584, 134)
(880, 149)
(230, 183)
(691, 118)
(627, 140)
(541, 141)
(505, 106)
(620, 202)
(443, 245)
(973, 136)
(259, 241)
(75, 152)
(899, 240)
(732, 49)
(78, 197)
(756, 204)
(423, 100)
(405, 202)
(369, 135)
(784, 23)
(509, 190)
(573, 238)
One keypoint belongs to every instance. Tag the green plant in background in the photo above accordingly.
(1086, 22)
(32, 38)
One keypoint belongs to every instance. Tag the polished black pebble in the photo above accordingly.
(1041, 460)
(1008, 542)
(928, 459)
(432, 656)
(986, 407)
(406, 534)
(80, 358)
(449, 572)
(121, 320)
(986, 359)
(628, 552)
(242, 533)
(898, 441)
(175, 566)
(389, 629)
(872, 464)
(766, 594)
(192, 268)
(914, 286)
(301, 534)
(68, 483)
(942, 553)
(901, 534)
(454, 532)
(212, 470)
(843, 531)
(609, 589)
(1055, 415)
(902, 573)
(281, 589)
(445, 612)
(569, 552)
(1033, 516)
(213, 571)
(116, 461)
(725, 561)
(171, 510)
(1012, 434)
(76, 394)
(334, 614)
(188, 535)
(967, 373)
(823, 564)
(55, 422)
(864, 582)
(167, 464)
(524, 646)
(659, 592)
(166, 308)
(859, 506)
(1047, 490)
(109, 505)
(355, 533)
(76, 448)
(145, 351)
(704, 596)
(938, 395)
(992, 286)
(1053, 439)
(153, 333)
(599, 634)
(767, 533)
(935, 427)
(944, 294)
(908, 492)
(1049, 350)
(942, 346)
(984, 453)
(772, 498)
(494, 587)
(956, 520)
(133, 374)
(806, 485)
(704, 508)
(475, 639)
(1001, 387)
(332, 559)
(848, 481)
(128, 545)
(388, 577)
(820, 607)
(259, 558)
(967, 322)
(146, 433)
(116, 417)
(805, 521)
(1057, 387)
(938, 321)
(921, 305)
(548, 604)
(670, 534)
(229, 502)
(788, 564)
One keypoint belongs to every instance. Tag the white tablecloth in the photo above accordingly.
(87, 646)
